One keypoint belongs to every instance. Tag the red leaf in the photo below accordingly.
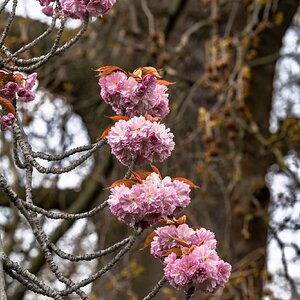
(105, 133)
(7, 76)
(167, 221)
(118, 118)
(150, 70)
(156, 171)
(127, 182)
(140, 73)
(180, 241)
(190, 183)
(163, 221)
(177, 251)
(181, 220)
(8, 105)
(136, 176)
(149, 240)
(165, 82)
(151, 119)
(200, 243)
(19, 78)
(189, 250)
(142, 175)
(196, 227)
(106, 70)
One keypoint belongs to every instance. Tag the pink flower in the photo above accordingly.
(146, 87)
(185, 233)
(45, 2)
(165, 239)
(48, 10)
(74, 9)
(25, 95)
(132, 98)
(182, 191)
(9, 91)
(30, 81)
(7, 120)
(116, 90)
(145, 203)
(201, 269)
(180, 272)
(206, 254)
(141, 140)
(98, 8)
(223, 272)
(113, 83)
(204, 236)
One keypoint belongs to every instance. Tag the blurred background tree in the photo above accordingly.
(222, 55)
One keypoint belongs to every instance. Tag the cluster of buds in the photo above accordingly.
(77, 9)
(14, 87)
(7, 120)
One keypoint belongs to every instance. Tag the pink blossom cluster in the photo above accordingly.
(140, 140)
(7, 120)
(164, 240)
(146, 202)
(198, 266)
(17, 88)
(23, 92)
(130, 97)
(76, 9)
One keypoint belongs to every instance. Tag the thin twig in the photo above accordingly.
(2, 278)
(156, 289)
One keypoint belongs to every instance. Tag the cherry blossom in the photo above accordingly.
(140, 140)
(132, 98)
(146, 202)
(76, 9)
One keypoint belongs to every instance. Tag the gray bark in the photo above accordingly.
(2, 276)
